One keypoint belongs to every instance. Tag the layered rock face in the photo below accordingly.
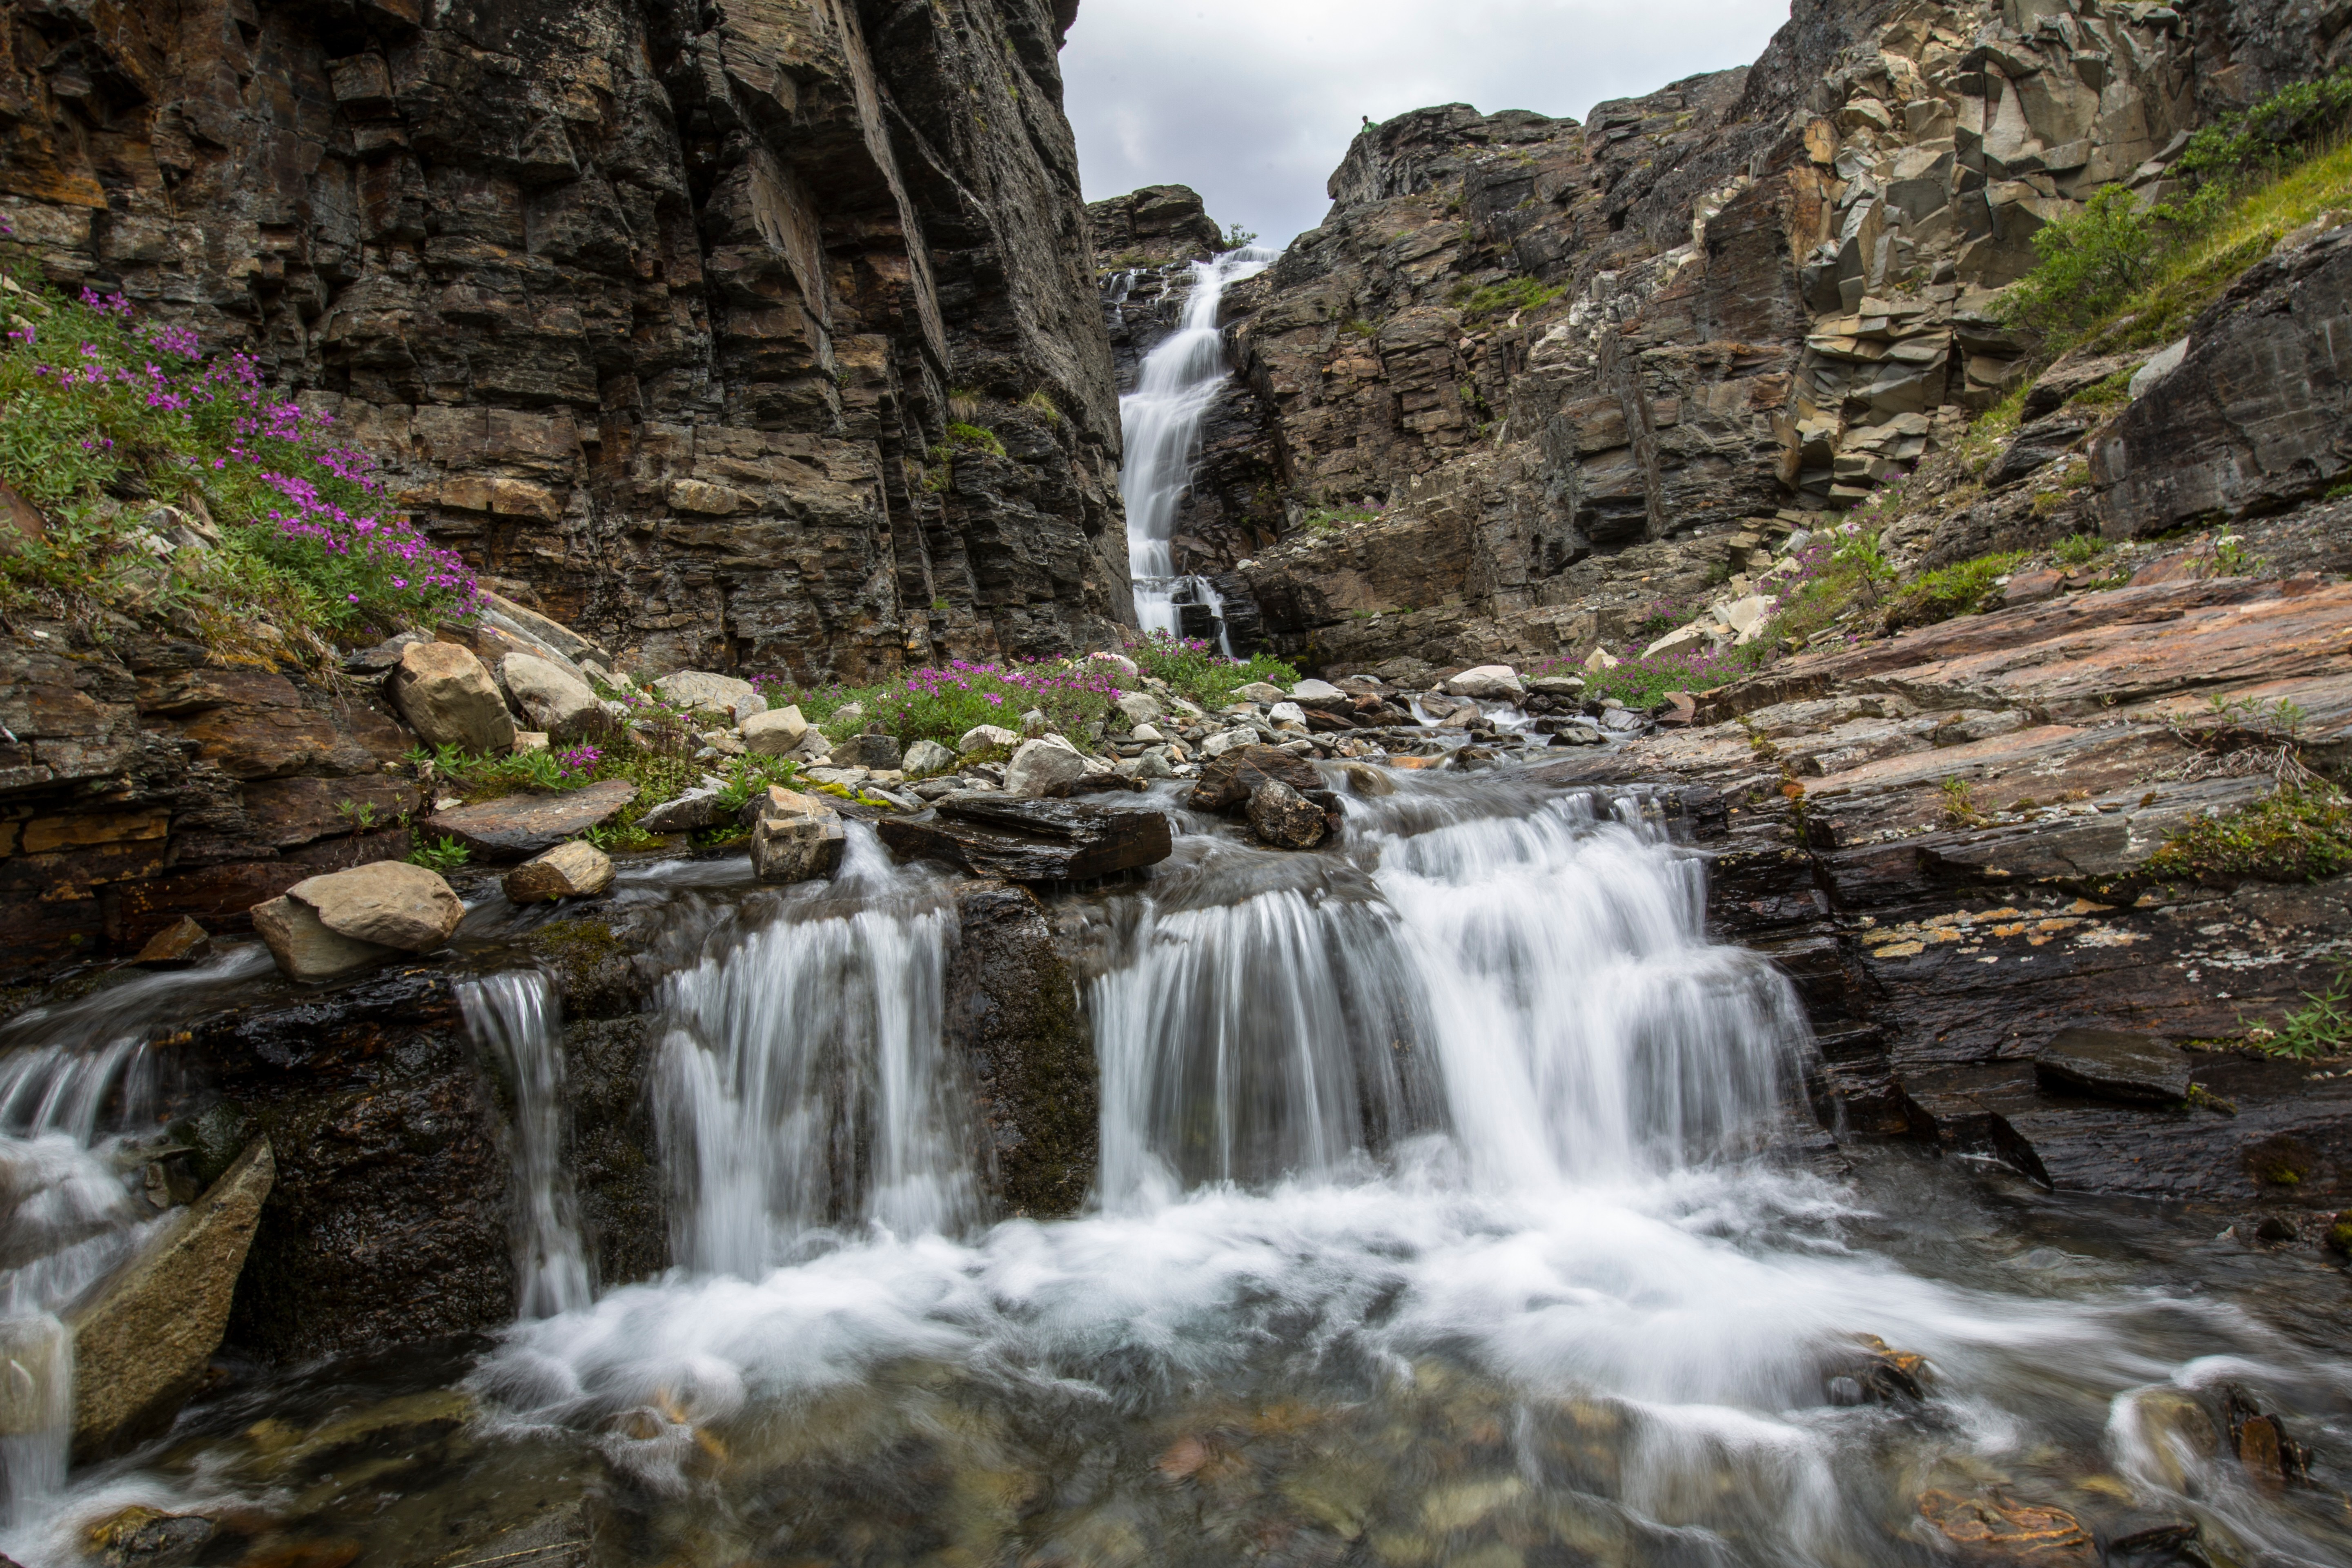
(1531, 376)
(656, 309)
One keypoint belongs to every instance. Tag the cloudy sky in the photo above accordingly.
(1251, 102)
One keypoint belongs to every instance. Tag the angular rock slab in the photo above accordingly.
(449, 699)
(1283, 818)
(2108, 1064)
(795, 838)
(554, 701)
(142, 1344)
(517, 826)
(574, 871)
(696, 809)
(1032, 840)
(1231, 777)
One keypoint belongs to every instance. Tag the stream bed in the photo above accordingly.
(1458, 1203)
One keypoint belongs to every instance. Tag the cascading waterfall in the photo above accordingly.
(803, 1082)
(76, 1085)
(518, 1018)
(1161, 420)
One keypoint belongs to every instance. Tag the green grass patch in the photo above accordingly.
(2298, 835)
(1965, 589)
(968, 438)
(1479, 302)
(2320, 1029)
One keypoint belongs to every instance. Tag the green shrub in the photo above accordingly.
(2298, 835)
(1965, 589)
(2092, 262)
(2079, 549)
(443, 855)
(2272, 134)
(2321, 1027)
(1200, 674)
(97, 404)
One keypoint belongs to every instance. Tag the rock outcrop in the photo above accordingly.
(1159, 226)
(657, 313)
(1531, 377)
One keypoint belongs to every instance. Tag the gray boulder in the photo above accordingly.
(795, 838)
(926, 757)
(449, 699)
(702, 688)
(333, 924)
(874, 752)
(552, 700)
(1044, 767)
(776, 732)
(690, 813)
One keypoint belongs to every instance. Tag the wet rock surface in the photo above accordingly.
(1012, 1022)
(794, 837)
(1031, 841)
(2108, 1064)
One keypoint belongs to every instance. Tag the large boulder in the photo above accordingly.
(703, 689)
(517, 826)
(326, 926)
(777, 732)
(986, 738)
(1494, 682)
(574, 871)
(553, 700)
(1229, 779)
(449, 699)
(795, 838)
(144, 1342)
(992, 834)
(1283, 818)
(1048, 766)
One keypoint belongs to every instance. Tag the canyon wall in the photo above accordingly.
(1531, 377)
(656, 308)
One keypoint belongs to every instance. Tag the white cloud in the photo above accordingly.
(1253, 102)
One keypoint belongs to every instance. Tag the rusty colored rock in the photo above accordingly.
(1991, 1530)
(179, 945)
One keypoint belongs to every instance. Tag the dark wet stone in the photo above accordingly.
(1012, 1020)
(1226, 781)
(1028, 840)
(182, 943)
(877, 752)
(1283, 818)
(517, 826)
(2108, 1064)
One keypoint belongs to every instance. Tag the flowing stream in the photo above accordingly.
(1175, 386)
(1460, 1203)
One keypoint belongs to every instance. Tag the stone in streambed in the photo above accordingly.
(1320, 694)
(142, 1342)
(1283, 818)
(1228, 780)
(1367, 781)
(1494, 682)
(449, 699)
(1048, 766)
(1012, 1020)
(2109, 1064)
(795, 838)
(179, 945)
(517, 826)
(1032, 840)
(574, 871)
(330, 925)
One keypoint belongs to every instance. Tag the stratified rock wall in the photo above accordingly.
(1530, 378)
(655, 307)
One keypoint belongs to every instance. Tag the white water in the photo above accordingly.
(1175, 386)
(518, 1018)
(76, 1082)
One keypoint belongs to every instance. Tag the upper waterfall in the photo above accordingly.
(1162, 420)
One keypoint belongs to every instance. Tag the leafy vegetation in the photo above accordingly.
(1478, 303)
(1966, 589)
(2301, 833)
(1237, 237)
(2321, 1027)
(2092, 263)
(1201, 675)
(177, 486)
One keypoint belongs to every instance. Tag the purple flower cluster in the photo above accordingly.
(577, 761)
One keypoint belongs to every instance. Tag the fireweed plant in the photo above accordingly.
(107, 417)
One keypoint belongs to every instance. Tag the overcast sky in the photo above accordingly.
(1251, 102)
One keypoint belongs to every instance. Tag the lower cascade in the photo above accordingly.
(1458, 1201)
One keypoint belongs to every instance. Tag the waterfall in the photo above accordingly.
(803, 1080)
(76, 1085)
(518, 1018)
(1161, 418)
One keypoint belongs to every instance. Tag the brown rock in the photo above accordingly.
(389, 904)
(1228, 781)
(142, 1342)
(304, 946)
(449, 699)
(179, 945)
(517, 826)
(795, 838)
(1283, 818)
(1990, 1531)
(574, 871)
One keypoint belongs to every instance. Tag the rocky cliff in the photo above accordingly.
(658, 310)
(1531, 375)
